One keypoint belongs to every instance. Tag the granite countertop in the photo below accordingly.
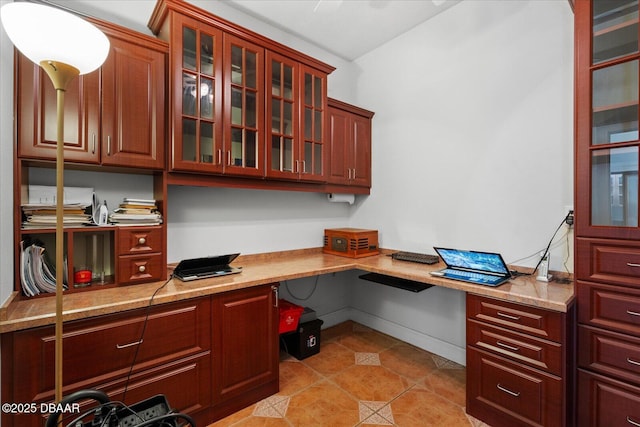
(260, 269)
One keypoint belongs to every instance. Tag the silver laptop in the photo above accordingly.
(202, 268)
(481, 268)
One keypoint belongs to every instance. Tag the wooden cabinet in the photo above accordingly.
(246, 344)
(210, 356)
(195, 104)
(244, 132)
(113, 116)
(243, 105)
(350, 144)
(610, 402)
(110, 353)
(140, 254)
(313, 131)
(296, 113)
(217, 102)
(133, 104)
(517, 358)
(607, 256)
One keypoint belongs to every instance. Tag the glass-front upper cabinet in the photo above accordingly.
(615, 29)
(313, 129)
(197, 107)
(243, 153)
(612, 148)
(296, 106)
(283, 103)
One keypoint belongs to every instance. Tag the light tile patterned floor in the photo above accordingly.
(362, 378)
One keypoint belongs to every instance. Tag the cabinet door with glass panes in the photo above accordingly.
(607, 115)
(296, 107)
(313, 130)
(283, 104)
(243, 152)
(197, 142)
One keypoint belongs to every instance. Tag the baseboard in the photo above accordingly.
(434, 345)
(336, 317)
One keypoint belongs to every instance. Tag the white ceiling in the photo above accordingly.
(346, 28)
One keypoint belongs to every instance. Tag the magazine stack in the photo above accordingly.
(136, 212)
(44, 216)
(37, 275)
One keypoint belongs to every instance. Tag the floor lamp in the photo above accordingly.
(65, 46)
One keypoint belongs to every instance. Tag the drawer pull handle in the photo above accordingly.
(131, 344)
(633, 362)
(633, 423)
(274, 289)
(507, 346)
(142, 241)
(142, 269)
(633, 264)
(633, 313)
(508, 316)
(506, 390)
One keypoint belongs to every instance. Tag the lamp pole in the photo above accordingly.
(60, 74)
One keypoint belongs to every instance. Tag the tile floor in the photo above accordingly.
(362, 378)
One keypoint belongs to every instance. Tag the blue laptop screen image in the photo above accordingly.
(484, 268)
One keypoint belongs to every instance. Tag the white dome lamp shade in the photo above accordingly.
(47, 35)
(65, 46)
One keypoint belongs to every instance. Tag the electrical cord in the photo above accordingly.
(536, 254)
(546, 251)
(144, 328)
(313, 290)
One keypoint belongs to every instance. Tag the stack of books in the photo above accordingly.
(44, 215)
(136, 212)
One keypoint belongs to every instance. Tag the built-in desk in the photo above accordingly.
(263, 269)
(190, 324)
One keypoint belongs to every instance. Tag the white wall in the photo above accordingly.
(472, 147)
(6, 165)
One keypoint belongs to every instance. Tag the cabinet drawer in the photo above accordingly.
(610, 307)
(609, 353)
(100, 350)
(139, 268)
(530, 320)
(606, 402)
(181, 382)
(506, 393)
(535, 352)
(609, 261)
(139, 240)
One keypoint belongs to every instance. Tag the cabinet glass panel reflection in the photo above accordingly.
(614, 187)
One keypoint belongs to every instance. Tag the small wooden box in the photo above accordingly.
(351, 242)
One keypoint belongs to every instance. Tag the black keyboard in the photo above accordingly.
(416, 257)
(396, 282)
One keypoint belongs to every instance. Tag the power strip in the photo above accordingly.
(127, 419)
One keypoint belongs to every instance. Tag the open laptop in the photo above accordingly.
(202, 268)
(481, 268)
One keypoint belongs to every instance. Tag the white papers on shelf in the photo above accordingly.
(46, 195)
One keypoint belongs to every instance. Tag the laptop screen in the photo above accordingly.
(479, 261)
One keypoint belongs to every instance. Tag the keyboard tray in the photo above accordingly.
(396, 282)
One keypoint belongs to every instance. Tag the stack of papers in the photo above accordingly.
(37, 273)
(136, 212)
(44, 215)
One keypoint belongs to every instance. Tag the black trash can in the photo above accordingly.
(305, 341)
